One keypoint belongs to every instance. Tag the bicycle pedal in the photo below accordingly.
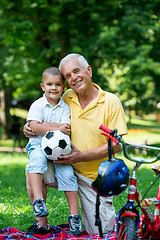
(156, 169)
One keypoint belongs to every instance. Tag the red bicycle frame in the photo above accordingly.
(148, 225)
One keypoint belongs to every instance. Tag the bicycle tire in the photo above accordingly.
(127, 229)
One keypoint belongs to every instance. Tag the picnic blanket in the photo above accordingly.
(62, 233)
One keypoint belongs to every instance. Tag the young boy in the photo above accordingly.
(52, 109)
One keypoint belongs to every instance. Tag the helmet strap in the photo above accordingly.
(98, 220)
(109, 148)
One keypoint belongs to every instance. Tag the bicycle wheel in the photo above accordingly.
(127, 229)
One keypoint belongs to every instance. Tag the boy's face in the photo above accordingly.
(53, 86)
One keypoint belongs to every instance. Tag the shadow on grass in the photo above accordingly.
(12, 176)
(141, 126)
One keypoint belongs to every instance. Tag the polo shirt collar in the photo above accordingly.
(98, 99)
(60, 103)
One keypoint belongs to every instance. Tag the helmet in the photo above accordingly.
(112, 179)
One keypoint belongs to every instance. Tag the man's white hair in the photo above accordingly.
(80, 58)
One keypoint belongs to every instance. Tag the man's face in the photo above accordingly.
(77, 76)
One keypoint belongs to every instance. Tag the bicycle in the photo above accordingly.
(129, 225)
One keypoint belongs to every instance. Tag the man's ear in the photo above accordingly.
(89, 68)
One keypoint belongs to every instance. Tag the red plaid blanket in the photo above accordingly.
(63, 234)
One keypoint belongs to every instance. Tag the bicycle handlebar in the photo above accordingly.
(113, 135)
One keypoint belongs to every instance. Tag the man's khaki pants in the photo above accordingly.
(88, 202)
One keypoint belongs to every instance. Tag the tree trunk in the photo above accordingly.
(5, 100)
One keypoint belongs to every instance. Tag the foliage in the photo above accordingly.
(128, 46)
(119, 38)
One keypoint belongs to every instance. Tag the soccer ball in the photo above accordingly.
(55, 143)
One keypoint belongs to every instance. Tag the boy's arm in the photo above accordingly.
(40, 129)
(63, 127)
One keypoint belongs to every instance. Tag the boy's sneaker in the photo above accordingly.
(29, 230)
(39, 208)
(75, 224)
(36, 229)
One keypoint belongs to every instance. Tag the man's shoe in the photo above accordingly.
(75, 224)
(39, 208)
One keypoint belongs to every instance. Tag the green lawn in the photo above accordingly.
(15, 207)
(138, 130)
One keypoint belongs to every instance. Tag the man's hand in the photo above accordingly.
(27, 131)
(74, 157)
(90, 155)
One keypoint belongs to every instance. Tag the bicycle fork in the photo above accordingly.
(129, 210)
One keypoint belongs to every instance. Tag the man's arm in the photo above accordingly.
(28, 131)
(89, 155)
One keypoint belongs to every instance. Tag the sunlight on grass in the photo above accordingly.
(15, 207)
(13, 159)
(141, 130)
(19, 112)
(138, 120)
(140, 137)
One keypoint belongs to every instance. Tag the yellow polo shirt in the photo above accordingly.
(105, 109)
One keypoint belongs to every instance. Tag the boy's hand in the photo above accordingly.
(65, 128)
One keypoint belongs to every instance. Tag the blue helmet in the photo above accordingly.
(112, 179)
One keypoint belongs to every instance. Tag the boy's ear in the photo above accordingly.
(42, 86)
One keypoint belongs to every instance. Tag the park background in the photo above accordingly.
(120, 39)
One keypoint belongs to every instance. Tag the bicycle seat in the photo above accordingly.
(156, 169)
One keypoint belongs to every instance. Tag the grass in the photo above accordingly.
(145, 176)
(15, 207)
(140, 129)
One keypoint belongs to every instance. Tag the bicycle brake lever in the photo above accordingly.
(112, 138)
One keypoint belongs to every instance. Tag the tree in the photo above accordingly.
(119, 38)
(129, 47)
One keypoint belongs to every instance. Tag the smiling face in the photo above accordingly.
(53, 86)
(77, 75)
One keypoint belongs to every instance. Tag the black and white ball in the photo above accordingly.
(55, 143)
